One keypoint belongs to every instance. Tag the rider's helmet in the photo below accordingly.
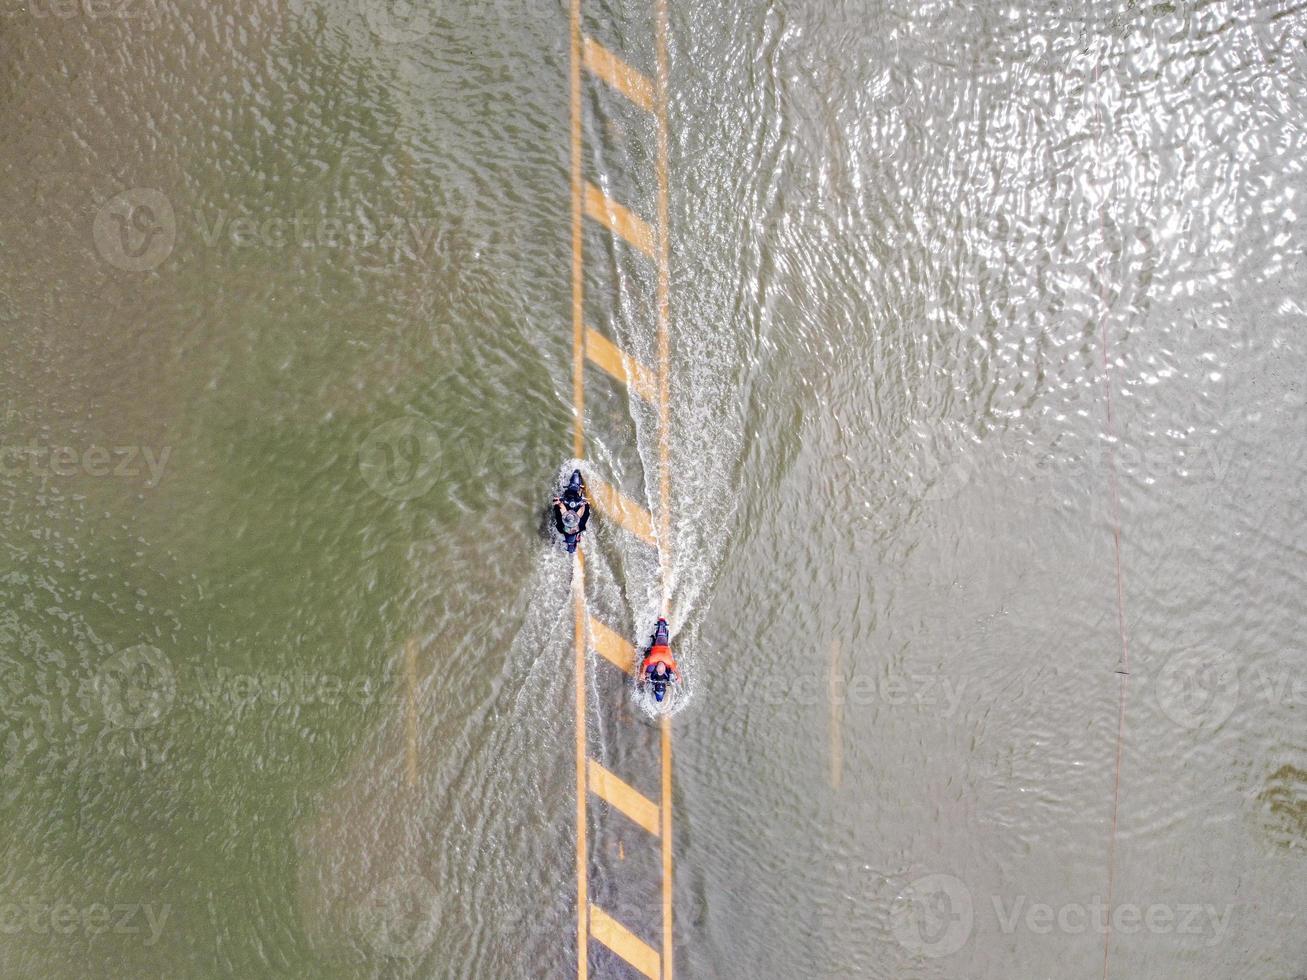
(659, 677)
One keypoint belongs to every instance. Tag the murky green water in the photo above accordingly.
(960, 293)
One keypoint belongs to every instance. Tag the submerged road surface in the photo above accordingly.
(935, 367)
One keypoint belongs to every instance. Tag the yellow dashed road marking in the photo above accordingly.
(624, 943)
(604, 64)
(619, 219)
(654, 387)
(613, 504)
(620, 365)
(612, 645)
(631, 802)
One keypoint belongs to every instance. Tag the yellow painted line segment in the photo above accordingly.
(633, 84)
(411, 710)
(624, 943)
(582, 871)
(666, 810)
(664, 444)
(626, 512)
(578, 326)
(589, 200)
(621, 365)
(612, 646)
(663, 311)
(578, 449)
(638, 807)
(619, 219)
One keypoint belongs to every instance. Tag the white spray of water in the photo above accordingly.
(625, 574)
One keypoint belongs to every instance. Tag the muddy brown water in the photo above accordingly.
(988, 452)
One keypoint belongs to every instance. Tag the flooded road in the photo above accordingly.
(987, 456)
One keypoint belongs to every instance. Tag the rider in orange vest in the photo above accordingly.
(658, 666)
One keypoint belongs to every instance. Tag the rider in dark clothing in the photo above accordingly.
(575, 512)
(572, 512)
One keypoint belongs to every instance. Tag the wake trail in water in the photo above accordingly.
(707, 437)
(711, 339)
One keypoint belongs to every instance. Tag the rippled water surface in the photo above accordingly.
(987, 454)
